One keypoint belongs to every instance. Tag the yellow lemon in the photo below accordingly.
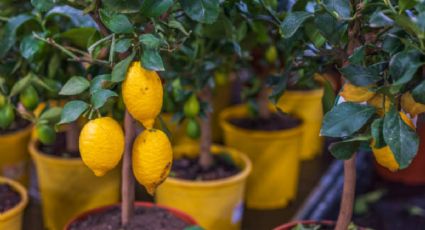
(384, 156)
(142, 94)
(354, 93)
(101, 144)
(377, 102)
(152, 158)
(409, 105)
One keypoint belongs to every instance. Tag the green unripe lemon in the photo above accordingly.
(191, 107)
(271, 54)
(7, 116)
(2, 100)
(29, 98)
(45, 133)
(192, 129)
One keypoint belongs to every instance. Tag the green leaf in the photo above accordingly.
(120, 69)
(359, 75)
(43, 5)
(205, 11)
(149, 41)
(8, 38)
(155, 8)
(404, 65)
(341, 7)
(74, 86)
(30, 47)
(379, 19)
(407, 24)
(343, 150)
(418, 93)
(117, 23)
(72, 111)
(122, 45)
(20, 85)
(406, 4)
(377, 128)
(52, 115)
(345, 119)
(358, 55)
(99, 97)
(127, 6)
(293, 21)
(151, 60)
(194, 227)
(99, 82)
(402, 139)
(79, 36)
(329, 27)
(178, 25)
(41, 82)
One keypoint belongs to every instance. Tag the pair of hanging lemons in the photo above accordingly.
(102, 139)
(384, 156)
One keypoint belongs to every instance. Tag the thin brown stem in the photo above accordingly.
(127, 188)
(263, 103)
(205, 157)
(72, 133)
(348, 194)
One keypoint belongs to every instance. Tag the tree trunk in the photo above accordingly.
(263, 103)
(72, 136)
(205, 157)
(127, 188)
(348, 194)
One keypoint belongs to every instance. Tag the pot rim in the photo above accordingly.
(20, 132)
(22, 203)
(36, 153)
(240, 176)
(229, 113)
(180, 214)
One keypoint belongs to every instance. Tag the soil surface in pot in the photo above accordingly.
(9, 198)
(17, 125)
(58, 149)
(144, 219)
(189, 168)
(273, 123)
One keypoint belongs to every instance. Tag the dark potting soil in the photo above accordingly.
(400, 207)
(17, 125)
(313, 227)
(189, 168)
(273, 123)
(58, 148)
(9, 198)
(152, 218)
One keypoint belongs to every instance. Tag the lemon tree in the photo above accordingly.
(379, 45)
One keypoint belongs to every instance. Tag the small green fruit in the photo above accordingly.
(7, 116)
(29, 98)
(271, 54)
(191, 107)
(192, 129)
(45, 133)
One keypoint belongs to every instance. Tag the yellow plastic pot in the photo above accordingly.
(214, 204)
(308, 106)
(14, 157)
(12, 218)
(68, 187)
(221, 99)
(274, 156)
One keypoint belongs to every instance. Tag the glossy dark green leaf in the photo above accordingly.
(72, 111)
(205, 11)
(328, 27)
(178, 25)
(406, 4)
(345, 119)
(52, 115)
(122, 45)
(293, 21)
(149, 41)
(30, 47)
(99, 82)
(43, 5)
(155, 8)
(75, 85)
(99, 97)
(402, 139)
(341, 7)
(120, 69)
(358, 56)
(379, 19)
(20, 85)
(117, 23)
(79, 36)
(377, 128)
(404, 65)
(344, 150)
(407, 24)
(8, 38)
(151, 60)
(127, 6)
(418, 93)
(359, 75)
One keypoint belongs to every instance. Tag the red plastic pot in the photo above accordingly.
(181, 215)
(415, 173)
(292, 225)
